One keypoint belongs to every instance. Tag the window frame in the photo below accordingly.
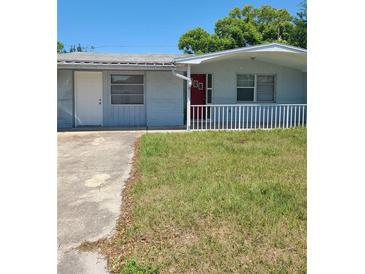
(255, 88)
(120, 84)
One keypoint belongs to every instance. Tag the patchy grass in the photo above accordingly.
(214, 202)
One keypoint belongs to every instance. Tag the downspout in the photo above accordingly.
(182, 76)
(188, 90)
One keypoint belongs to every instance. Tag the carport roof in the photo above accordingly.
(276, 53)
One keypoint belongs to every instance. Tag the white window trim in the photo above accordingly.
(120, 84)
(255, 88)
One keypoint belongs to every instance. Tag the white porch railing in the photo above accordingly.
(248, 116)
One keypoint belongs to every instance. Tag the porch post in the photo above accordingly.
(188, 93)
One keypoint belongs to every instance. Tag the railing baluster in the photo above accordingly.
(276, 118)
(267, 110)
(239, 117)
(197, 118)
(213, 116)
(201, 118)
(280, 116)
(193, 117)
(243, 117)
(223, 117)
(247, 117)
(303, 117)
(227, 118)
(251, 116)
(231, 116)
(210, 117)
(255, 117)
(271, 118)
(287, 116)
(206, 116)
(299, 116)
(295, 116)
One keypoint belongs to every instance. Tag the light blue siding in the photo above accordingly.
(290, 83)
(65, 99)
(121, 115)
(163, 102)
(164, 97)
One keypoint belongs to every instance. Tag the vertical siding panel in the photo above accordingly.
(121, 115)
(65, 99)
(164, 99)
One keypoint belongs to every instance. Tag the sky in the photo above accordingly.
(137, 26)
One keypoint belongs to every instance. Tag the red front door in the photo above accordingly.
(197, 95)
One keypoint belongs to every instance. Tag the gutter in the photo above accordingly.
(182, 77)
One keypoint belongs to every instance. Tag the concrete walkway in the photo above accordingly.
(92, 170)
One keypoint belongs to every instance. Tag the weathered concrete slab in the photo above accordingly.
(92, 170)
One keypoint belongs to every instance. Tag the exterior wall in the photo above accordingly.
(122, 115)
(290, 83)
(164, 101)
(65, 99)
(164, 96)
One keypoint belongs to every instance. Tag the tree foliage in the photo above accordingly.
(299, 35)
(245, 27)
(60, 47)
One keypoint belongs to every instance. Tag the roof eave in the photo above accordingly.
(258, 48)
(62, 65)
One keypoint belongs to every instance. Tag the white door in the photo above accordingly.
(88, 98)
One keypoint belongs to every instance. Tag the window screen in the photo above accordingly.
(126, 89)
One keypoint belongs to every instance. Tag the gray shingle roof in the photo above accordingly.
(117, 58)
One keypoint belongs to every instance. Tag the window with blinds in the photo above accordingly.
(255, 88)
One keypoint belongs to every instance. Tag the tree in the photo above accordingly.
(299, 35)
(241, 28)
(77, 48)
(60, 47)
(73, 48)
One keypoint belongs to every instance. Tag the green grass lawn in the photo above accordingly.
(215, 202)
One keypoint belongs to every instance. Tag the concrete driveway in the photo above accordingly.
(92, 170)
